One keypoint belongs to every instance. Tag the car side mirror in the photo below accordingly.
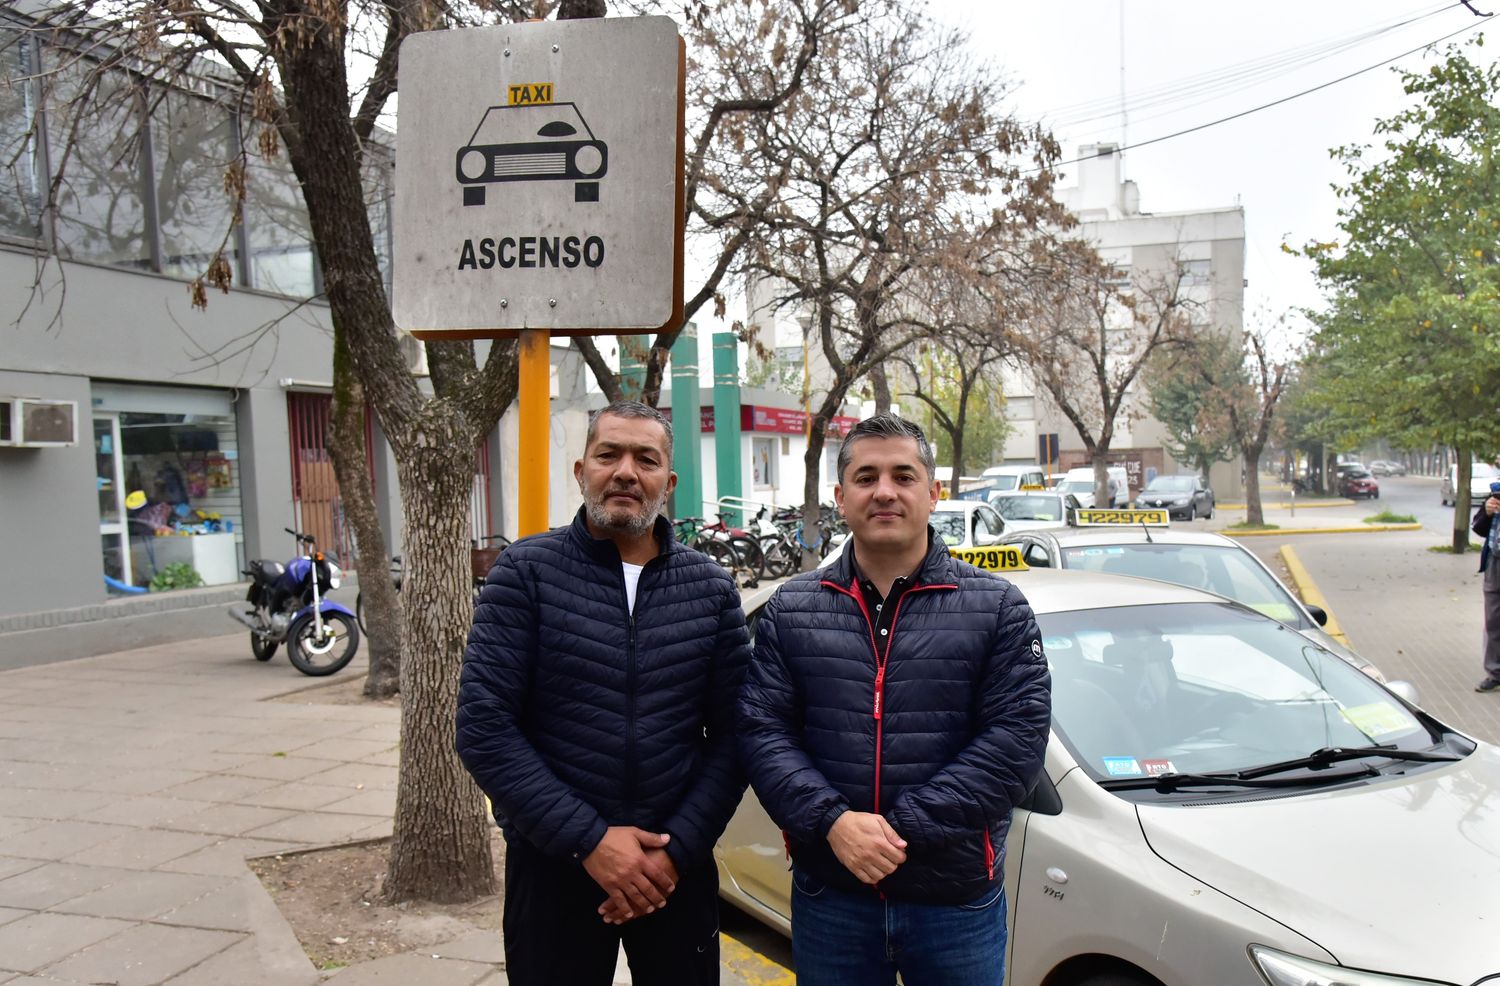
(983, 539)
(1318, 613)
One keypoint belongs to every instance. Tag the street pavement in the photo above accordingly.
(134, 785)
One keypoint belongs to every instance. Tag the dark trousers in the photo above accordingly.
(554, 935)
(1492, 619)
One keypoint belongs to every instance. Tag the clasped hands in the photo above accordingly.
(633, 868)
(867, 845)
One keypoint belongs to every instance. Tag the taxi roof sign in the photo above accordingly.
(997, 558)
(1087, 517)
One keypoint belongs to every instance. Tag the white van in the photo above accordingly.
(1005, 479)
(1080, 483)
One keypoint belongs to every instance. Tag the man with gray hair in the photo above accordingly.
(595, 710)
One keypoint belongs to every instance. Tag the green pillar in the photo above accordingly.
(633, 353)
(727, 418)
(687, 426)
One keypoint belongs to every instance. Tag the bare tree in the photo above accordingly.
(897, 170)
(1088, 338)
(1252, 412)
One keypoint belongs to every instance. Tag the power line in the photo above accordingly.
(1276, 102)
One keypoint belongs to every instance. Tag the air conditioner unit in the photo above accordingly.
(26, 422)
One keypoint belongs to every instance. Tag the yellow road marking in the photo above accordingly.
(1308, 590)
(748, 964)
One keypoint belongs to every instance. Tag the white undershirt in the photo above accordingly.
(632, 579)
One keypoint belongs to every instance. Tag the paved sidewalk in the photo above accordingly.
(132, 788)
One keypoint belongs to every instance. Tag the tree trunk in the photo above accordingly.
(1464, 457)
(881, 384)
(437, 802)
(812, 509)
(380, 606)
(1254, 513)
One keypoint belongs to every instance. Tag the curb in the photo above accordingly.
(1311, 505)
(1361, 529)
(1308, 590)
(750, 966)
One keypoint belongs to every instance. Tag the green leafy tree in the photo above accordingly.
(1186, 386)
(1410, 337)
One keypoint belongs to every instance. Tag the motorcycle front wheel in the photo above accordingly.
(312, 656)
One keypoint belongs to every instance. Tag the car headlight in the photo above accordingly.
(335, 576)
(473, 164)
(588, 160)
(1281, 969)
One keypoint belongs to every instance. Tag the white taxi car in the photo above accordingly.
(1025, 510)
(1139, 543)
(1223, 803)
(960, 523)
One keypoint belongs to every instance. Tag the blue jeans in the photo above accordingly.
(843, 939)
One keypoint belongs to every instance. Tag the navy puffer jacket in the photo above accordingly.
(574, 716)
(964, 710)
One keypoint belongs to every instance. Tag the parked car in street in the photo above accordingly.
(1024, 510)
(1198, 559)
(960, 523)
(1222, 802)
(1481, 476)
(1185, 496)
(1359, 484)
(1387, 467)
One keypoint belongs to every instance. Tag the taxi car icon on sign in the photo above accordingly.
(548, 142)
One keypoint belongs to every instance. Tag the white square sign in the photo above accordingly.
(539, 179)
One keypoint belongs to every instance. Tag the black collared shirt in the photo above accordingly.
(882, 609)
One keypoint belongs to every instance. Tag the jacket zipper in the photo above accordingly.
(989, 855)
(630, 678)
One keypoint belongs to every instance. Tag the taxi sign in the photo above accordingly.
(1001, 558)
(1115, 518)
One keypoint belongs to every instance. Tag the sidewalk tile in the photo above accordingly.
(238, 904)
(340, 748)
(150, 810)
(412, 967)
(250, 962)
(34, 942)
(40, 803)
(147, 781)
(143, 955)
(58, 840)
(57, 777)
(315, 827)
(220, 787)
(477, 946)
(227, 819)
(143, 896)
(296, 796)
(283, 769)
(9, 914)
(380, 802)
(143, 850)
(53, 883)
(390, 758)
(227, 857)
(357, 776)
(15, 826)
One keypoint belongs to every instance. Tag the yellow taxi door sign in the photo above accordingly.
(1001, 558)
(529, 94)
(1104, 518)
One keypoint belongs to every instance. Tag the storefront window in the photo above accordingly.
(763, 462)
(178, 463)
(192, 146)
(281, 251)
(20, 187)
(94, 136)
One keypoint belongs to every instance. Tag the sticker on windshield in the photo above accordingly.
(1057, 643)
(1377, 719)
(1123, 767)
(1155, 768)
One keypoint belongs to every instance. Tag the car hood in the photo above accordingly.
(1032, 525)
(1401, 876)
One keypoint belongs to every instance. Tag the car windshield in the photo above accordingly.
(1193, 687)
(1357, 474)
(1170, 484)
(1004, 482)
(1225, 569)
(949, 526)
(1483, 470)
(1029, 507)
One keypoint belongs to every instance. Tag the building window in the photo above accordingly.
(281, 250)
(192, 143)
(20, 184)
(763, 460)
(1197, 271)
(94, 133)
(831, 462)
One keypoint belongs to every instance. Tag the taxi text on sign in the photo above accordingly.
(539, 179)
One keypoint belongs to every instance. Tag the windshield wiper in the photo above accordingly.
(1167, 783)
(1337, 754)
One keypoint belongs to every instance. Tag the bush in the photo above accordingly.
(1386, 517)
(178, 575)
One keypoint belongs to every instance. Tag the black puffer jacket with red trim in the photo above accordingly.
(964, 709)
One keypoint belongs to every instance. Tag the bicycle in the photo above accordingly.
(481, 560)
(733, 548)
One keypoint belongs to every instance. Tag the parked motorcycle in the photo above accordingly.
(287, 605)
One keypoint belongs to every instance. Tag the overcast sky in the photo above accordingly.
(1189, 62)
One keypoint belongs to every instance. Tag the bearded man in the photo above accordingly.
(595, 710)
